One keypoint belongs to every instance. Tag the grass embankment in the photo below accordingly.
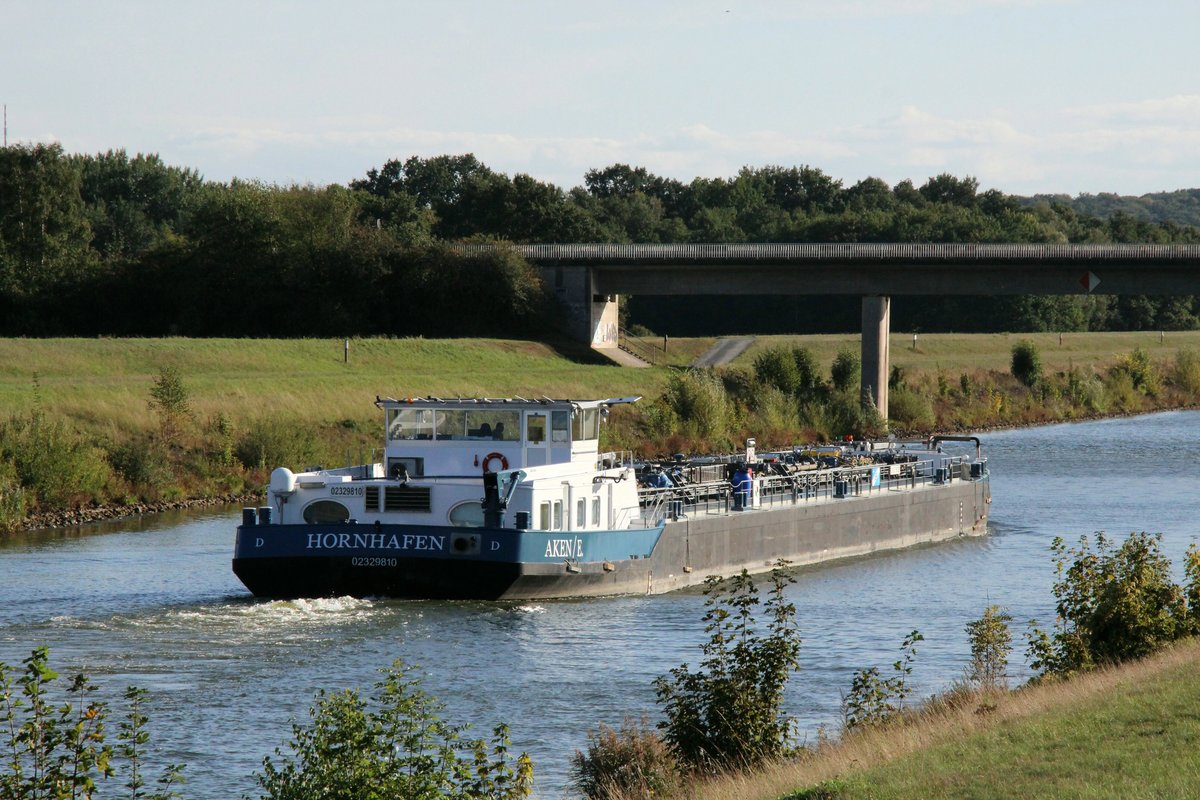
(77, 430)
(1127, 732)
(103, 384)
(966, 352)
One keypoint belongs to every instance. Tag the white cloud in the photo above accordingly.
(863, 9)
(685, 153)
(1180, 109)
(41, 138)
(1132, 147)
(1065, 153)
(917, 125)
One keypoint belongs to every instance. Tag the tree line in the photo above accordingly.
(1181, 206)
(110, 244)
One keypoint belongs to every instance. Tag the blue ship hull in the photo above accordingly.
(415, 561)
(438, 562)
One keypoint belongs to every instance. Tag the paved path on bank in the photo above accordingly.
(725, 350)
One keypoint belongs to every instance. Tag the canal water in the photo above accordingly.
(154, 604)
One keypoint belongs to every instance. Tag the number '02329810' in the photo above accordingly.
(372, 561)
(346, 491)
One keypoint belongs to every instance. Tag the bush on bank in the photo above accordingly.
(56, 742)
(728, 714)
(392, 744)
(1115, 603)
(632, 761)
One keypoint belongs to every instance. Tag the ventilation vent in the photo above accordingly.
(371, 498)
(406, 498)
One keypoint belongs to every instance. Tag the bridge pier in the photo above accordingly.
(876, 325)
(591, 317)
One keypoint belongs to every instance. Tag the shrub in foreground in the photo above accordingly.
(991, 644)
(57, 747)
(1114, 603)
(392, 745)
(631, 762)
(728, 714)
(873, 699)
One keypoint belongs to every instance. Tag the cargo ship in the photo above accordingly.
(513, 499)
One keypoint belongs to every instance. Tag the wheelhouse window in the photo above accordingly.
(560, 427)
(586, 424)
(450, 424)
(580, 513)
(535, 428)
(454, 424)
(500, 425)
(410, 423)
(595, 512)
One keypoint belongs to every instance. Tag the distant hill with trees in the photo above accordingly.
(1181, 207)
(112, 244)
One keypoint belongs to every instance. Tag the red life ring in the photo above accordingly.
(487, 460)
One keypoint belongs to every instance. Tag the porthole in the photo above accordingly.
(467, 515)
(323, 512)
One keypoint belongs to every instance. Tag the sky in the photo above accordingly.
(1027, 96)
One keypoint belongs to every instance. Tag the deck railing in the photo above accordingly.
(718, 497)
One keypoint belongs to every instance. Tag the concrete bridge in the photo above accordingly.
(589, 278)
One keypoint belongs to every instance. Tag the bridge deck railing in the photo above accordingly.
(843, 251)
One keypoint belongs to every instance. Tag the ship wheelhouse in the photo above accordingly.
(436, 437)
(436, 452)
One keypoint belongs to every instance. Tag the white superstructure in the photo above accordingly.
(551, 474)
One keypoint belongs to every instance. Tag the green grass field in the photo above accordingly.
(1126, 732)
(106, 382)
(962, 352)
(1137, 739)
(103, 384)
